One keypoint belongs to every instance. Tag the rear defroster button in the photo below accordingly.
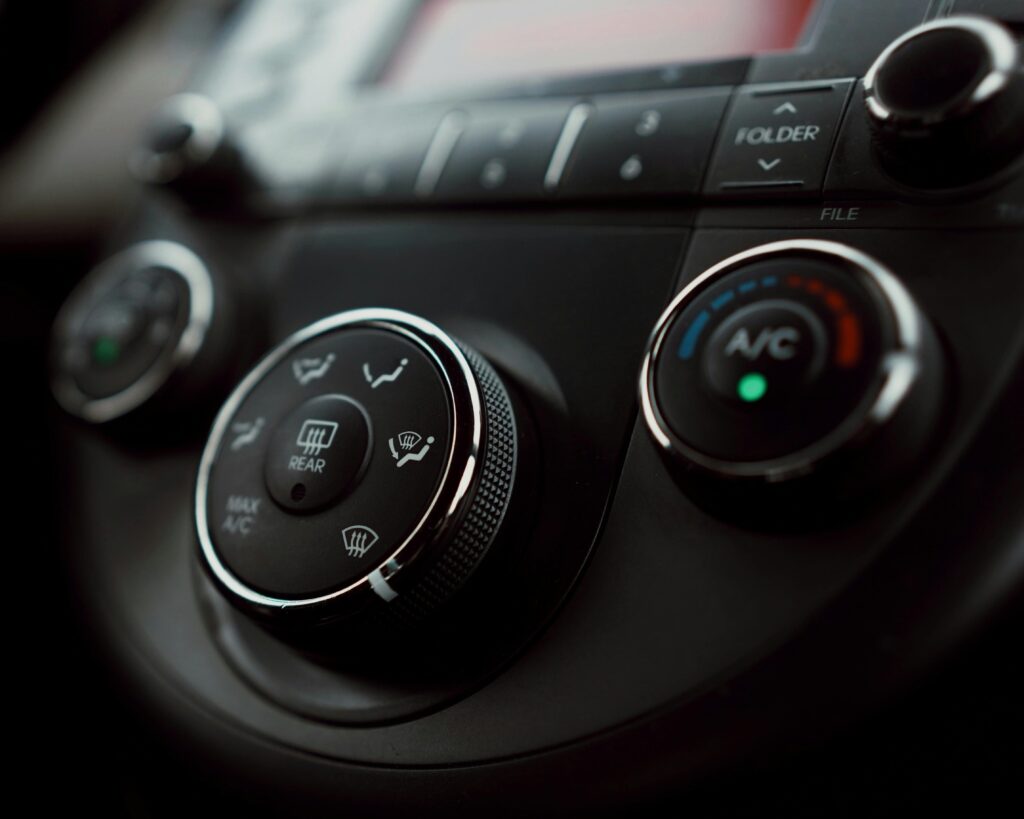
(318, 453)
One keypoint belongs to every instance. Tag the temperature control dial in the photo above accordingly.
(787, 357)
(365, 464)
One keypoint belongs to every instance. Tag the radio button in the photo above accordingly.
(503, 152)
(383, 157)
(777, 138)
(645, 145)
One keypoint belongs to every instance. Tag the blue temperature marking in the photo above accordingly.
(723, 300)
(746, 287)
(769, 281)
(689, 344)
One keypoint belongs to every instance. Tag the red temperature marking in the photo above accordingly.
(836, 300)
(848, 350)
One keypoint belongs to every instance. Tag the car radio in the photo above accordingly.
(607, 390)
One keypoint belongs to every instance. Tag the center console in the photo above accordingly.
(597, 393)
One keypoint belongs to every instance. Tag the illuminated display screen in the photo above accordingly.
(488, 42)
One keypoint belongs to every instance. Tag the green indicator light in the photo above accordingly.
(105, 351)
(752, 387)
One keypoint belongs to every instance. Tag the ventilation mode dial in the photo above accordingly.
(363, 468)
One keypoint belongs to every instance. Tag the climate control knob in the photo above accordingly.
(793, 359)
(147, 328)
(946, 102)
(358, 475)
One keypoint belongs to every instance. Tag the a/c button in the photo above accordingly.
(765, 353)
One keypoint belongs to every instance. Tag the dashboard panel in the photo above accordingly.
(585, 398)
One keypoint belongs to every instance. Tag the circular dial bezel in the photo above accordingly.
(445, 509)
(899, 370)
(179, 354)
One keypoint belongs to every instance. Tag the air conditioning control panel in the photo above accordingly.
(617, 425)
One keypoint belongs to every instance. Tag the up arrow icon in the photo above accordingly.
(785, 108)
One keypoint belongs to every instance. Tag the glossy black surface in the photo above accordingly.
(954, 62)
(299, 479)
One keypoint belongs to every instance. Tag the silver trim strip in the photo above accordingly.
(440, 150)
(578, 116)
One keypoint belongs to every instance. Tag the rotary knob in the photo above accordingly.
(791, 360)
(946, 102)
(189, 149)
(147, 327)
(359, 474)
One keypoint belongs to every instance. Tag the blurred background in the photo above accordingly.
(80, 79)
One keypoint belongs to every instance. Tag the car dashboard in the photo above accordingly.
(535, 407)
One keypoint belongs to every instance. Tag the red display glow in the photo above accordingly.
(487, 42)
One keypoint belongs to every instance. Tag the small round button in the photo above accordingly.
(318, 453)
(765, 352)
